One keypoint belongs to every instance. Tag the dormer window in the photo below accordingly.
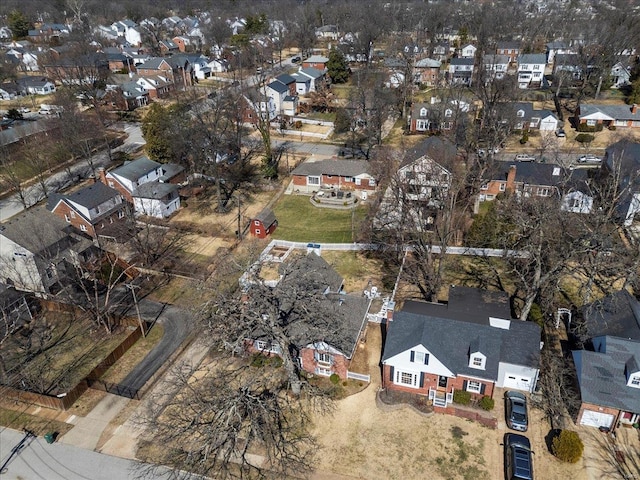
(448, 112)
(419, 357)
(477, 360)
(423, 112)
(634, 381)
(520, 113)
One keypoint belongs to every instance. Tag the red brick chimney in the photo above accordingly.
(511, 179)
(103, 175)
(634, 108)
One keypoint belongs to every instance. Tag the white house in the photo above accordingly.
(531, 70)
(620, 75)
(577, 202)
(156, 199)
(495, 66)
(468, 51)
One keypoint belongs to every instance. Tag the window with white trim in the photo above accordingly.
(542, 192)
(256, 223)
(473, 386)
(591, 123)
(121, 214)
(477, 361)
(520, 113)
(503, 186)
(73, 214)
(258, 231)
(313, 180)
(66, 217)
(323, 357)
(406, 378)
(83, 227)
(358, 181)
(635, 381)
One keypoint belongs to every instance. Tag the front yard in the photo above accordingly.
(299, 221)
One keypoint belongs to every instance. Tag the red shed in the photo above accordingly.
(264, 224)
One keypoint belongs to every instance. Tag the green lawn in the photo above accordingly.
(299, 221)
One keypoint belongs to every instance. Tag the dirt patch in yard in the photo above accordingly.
(362, 441)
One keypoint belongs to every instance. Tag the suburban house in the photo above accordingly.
(556, 48)
(617, 314)
(277, 91)
(35, 249)
(609, 382)
(495, 66)
(468, 51)
(437, 116)
(258, 107)
(461, 71)
(441, 51)
(155, 86)
(324, 341)
(509, 48)
(316, 61)
(151, 187)
(93, 209)
(544, 180)
(527, 118)
(415, 195)
(328, 32)
(620, 75)
(427, 72)
(470, 344)
(309, 80)
(619, 116)
(531, 70)
(622, 163)
(330, 174)
(36, 85)
(177, 69)
(168, 47)
(263, 224)
(289, 81)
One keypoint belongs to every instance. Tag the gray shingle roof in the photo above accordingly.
(35, 230)
(450, 333)
(169, 171)
(617, 112)
(316, 59)
(154, 190)
(311, 72)
(267, 217)
(152, 63)
(532, 58)
(602, 377)
(462, 61)
(617, 314)
(90, 197)
(278, 86)
(137, 168)
(285, 78)
(344, 168)
(534, 173)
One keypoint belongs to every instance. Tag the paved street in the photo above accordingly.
(11, 205)
(39, 460)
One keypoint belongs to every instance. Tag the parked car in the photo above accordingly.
(24, 110)
(589, 158)
(516, 411)
(561, 133)
(296, 59)
(524, 157)
(518, 459)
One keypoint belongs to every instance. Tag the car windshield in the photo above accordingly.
(518, 417)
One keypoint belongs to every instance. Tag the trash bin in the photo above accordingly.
(50, 437)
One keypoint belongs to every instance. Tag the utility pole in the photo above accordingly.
(239, 217)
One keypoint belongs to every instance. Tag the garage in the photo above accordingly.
(596, 419)
(518, 382)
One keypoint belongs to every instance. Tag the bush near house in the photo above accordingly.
(584, 138)
(487, 403)
(583, 127)
(567, 446)
(461, 397)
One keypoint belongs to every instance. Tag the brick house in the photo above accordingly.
(509, 48)
(324, 341)
(427, 72)
(316, 61)
(151, 187)
(95, 210)
(309, 177)
(544, 180)
(470, 344)
(263, 224)
(609, 382)
(619, 116)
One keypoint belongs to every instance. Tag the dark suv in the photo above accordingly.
(518, 461)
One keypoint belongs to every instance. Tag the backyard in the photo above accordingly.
(299, 221)
(56, 351)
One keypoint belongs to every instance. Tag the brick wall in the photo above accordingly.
(340, 363)
(65, 212)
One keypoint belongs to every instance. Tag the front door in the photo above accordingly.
(442, 382)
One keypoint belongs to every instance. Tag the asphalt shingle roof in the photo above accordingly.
(534, 173)
(617, 314)
(617, 112)
(154, 190)
(137, 168)
(90, 197)
(344, 168)
(450, 335)
(602, 377)
(35, 230)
